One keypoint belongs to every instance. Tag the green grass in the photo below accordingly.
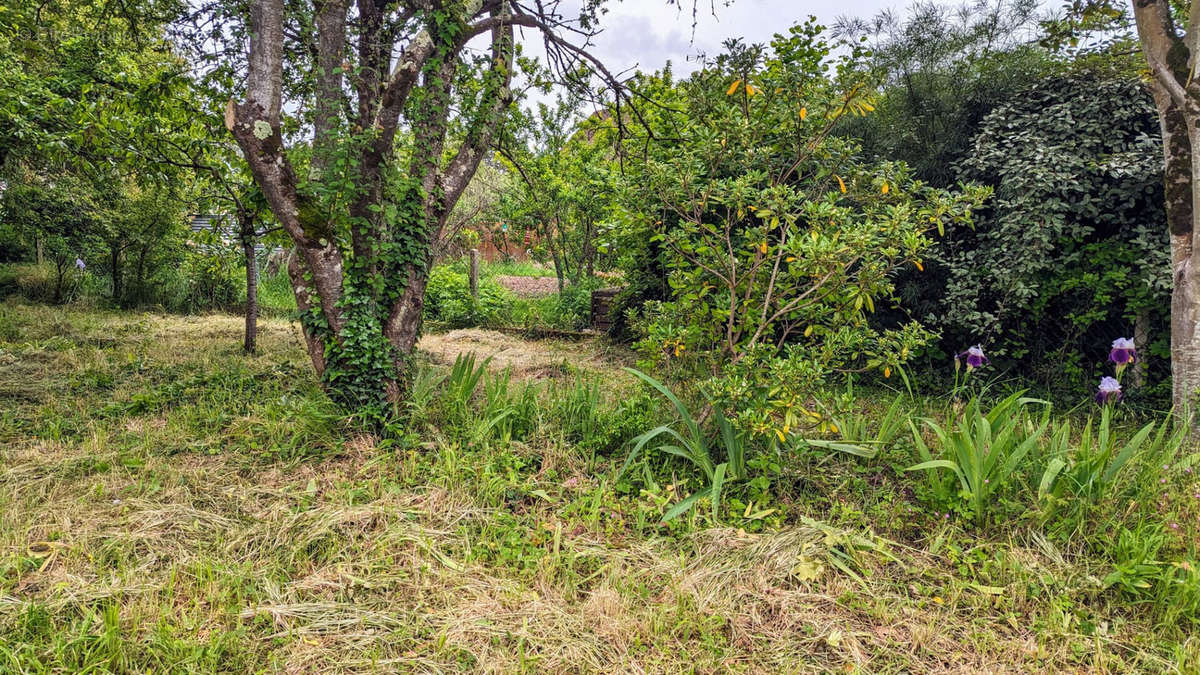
(275, 296)
(513, 268)
(168, 504)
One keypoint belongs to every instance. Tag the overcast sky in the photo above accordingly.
(647, 33)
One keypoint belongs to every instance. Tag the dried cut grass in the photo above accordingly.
(332, 566)
(526, 359)
(387, 585)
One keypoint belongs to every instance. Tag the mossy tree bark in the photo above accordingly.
(1171, 52)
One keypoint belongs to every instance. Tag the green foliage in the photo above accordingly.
(777, 242)
(76, 75)
(38, 282)
(449, 302)
(873, 429)
(693, 446)
(1140, 574)
(209, 279)
(1073, 250)
(730, 458)
(275, 296)
(1098, 466)
(941, 69)
(561, 186)
(60, 214)
(983, 451)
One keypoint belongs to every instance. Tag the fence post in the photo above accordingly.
(474, 273)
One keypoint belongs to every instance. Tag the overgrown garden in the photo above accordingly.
(893, 380)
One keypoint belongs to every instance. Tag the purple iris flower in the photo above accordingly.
(974, 357)
(1109, 390)
(1122, 352)
(79, 263)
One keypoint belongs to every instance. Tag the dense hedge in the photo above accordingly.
(1072, 249)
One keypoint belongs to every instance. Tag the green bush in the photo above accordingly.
(448, 299)
(209, 279)
(37, 283)
(569, 310)
(776, 240)
(1072, 252)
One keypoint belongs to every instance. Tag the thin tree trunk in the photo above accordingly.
(249, 343)
(139, 293)
(115, 260)
(589, 251)
(60, 271)
(558, 265)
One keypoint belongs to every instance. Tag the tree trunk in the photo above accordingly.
(558, 266)
(589, 251)
(115, 260)
(249, 343)
(139, 277)
(304, 303)
(361, 315)
(1171, 60)
(1185, 290)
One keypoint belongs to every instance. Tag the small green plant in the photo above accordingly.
(422, 388)
(464, 378)
(1079, 477)
(1139, 571)
(578, 410)
(693, 446)
(982, 450)
(512, 412)
(867, 431)
(731, 444)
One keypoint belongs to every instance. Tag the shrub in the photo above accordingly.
(33, 282)
(569, 310)
(448, 299)
(777, 242)
(275, 296)
(209, 279)
(1072, 250)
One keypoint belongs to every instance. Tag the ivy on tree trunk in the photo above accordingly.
(362, 216)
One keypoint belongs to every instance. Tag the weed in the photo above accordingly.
(984, 451)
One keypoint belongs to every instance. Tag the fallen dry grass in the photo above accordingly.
(123, 544)
(526, 358)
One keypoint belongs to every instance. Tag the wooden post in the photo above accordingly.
(41, 256)
(474, 273)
